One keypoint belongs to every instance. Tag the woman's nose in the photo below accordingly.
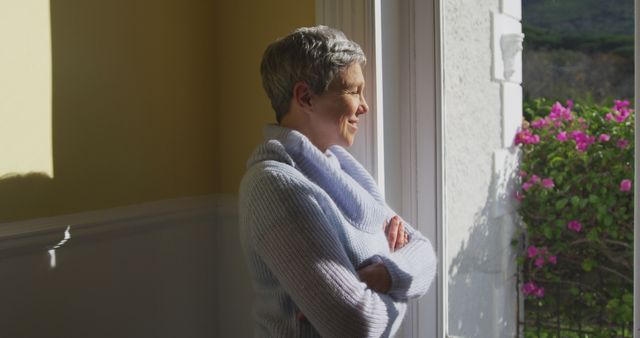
(363, 108)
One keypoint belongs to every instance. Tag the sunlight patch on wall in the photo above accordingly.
(25, 87)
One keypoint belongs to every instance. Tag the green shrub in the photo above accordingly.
(576, 202)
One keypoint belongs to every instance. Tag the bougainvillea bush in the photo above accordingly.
(576, 203)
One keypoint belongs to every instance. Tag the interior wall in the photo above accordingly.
(151, 101)
(243, 31)
(133, 115)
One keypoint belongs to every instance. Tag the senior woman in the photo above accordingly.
(327, 256)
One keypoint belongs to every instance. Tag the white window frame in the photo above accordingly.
(418, 131)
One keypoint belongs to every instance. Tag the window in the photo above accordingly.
(400, 144)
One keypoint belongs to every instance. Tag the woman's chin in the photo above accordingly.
(347, 141)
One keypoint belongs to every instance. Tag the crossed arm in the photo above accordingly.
(309, 261)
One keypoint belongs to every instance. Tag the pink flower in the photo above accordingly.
(574, 225)
(522, 173)
(553, 259)
(583, 141)
(625, 185)
(539, 123)
(562, 136)
(519, 196)
(603, 138)
(532, 251)
(620, 111)
(534, 179)
(582, 147)
(623, 114)
(618, 104)
(578, 135)
(548, 183)
(526, 186)
(539, 262)
(558, 112)
(529, 288)
(526, 137)
(569, 104)
(622, 143)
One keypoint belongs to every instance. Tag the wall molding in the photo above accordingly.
(44, 233)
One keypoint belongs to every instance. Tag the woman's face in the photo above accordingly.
(336, 112)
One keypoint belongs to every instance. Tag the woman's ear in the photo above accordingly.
(302, 95)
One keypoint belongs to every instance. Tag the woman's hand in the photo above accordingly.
(376, 276)
(395, 233)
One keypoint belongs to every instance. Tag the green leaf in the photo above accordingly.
(594, 199)
(575, 201)
(587, 264)
(613, 304)
(627, 298)
(608, 220)
(588, 297)
(593, 235)
(574, 291)
(547, 231)
(561, 203)
(556, 161)
(583, 203)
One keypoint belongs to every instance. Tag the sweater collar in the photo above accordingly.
(300, 145)
(325, 169)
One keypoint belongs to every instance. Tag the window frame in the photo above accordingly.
(418, 135)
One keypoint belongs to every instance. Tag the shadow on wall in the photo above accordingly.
(483, 275)
(133, 111)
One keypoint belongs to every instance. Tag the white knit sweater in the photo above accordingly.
(308, 221)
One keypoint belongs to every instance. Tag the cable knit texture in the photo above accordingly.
(308, 221)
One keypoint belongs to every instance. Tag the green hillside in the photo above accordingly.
(580, 17)
(578, 49)
(588, 26)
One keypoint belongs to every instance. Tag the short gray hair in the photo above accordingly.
(310, 54)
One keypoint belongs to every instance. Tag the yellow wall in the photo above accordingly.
(151, 100)
(244, 29)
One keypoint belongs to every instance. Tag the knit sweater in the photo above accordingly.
(308, 221)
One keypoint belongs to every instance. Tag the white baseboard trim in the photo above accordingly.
(45, 233)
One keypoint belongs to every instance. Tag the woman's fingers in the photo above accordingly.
(396, 234)
(392, 234)
(401, 237)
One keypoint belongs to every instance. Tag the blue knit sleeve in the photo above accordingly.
(290, 232)
(413, 267)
